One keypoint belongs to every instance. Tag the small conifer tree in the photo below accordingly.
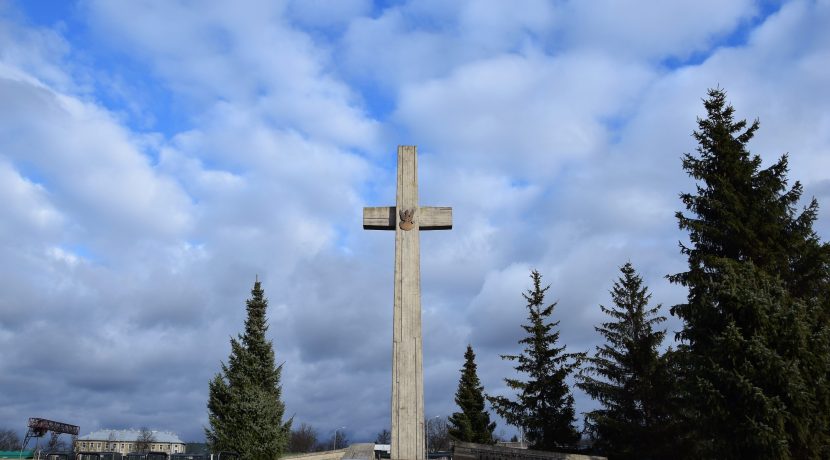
(544, 406)
(628, 376)
(472, 424)
(245, 409)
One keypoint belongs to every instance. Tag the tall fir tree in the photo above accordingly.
(472, 424)
(544, 405)
(629, 378)
(754, 349)
(746, 214)
(245, 409)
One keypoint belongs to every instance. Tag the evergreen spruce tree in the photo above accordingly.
(632, 381)
(755, 341)
(544, 407)
(245, 409)
(744, 213)
(472, 424)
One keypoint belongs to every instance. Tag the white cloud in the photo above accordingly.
(89, 163)
(524, 116)
(241, 54)
(34, 51)
(28, 210)
(496, 26)
(652, 29)
(418, 41)
(383, 52)
(322, 13)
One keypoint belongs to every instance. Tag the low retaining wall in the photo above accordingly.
(472, 451)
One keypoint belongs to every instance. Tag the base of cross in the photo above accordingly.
(458, 451)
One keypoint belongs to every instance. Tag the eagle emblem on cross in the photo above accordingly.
(406, 219)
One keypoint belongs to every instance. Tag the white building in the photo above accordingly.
(124, 442)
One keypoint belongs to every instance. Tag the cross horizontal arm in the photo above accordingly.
(434, 218)
(427, 218)
(379, 218)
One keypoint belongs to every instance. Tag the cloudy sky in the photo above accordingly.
(157, 156)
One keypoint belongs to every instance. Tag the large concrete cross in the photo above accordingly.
(407, 219)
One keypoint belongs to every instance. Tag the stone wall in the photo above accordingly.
(461, 451)
(472, 451)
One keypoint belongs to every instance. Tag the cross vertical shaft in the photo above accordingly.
(407, 361)
(407, 219)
